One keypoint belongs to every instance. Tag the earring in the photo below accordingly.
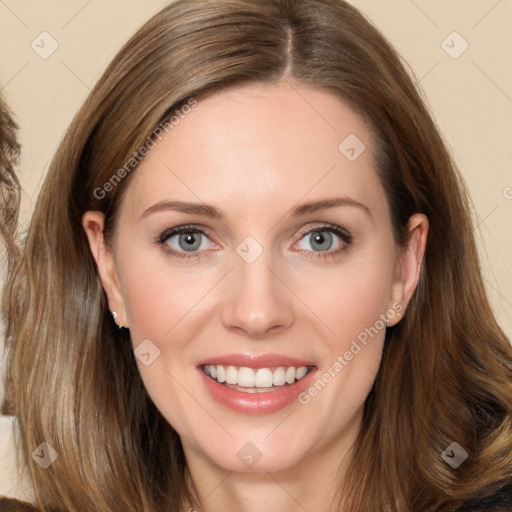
(399, 315)
(114, 316)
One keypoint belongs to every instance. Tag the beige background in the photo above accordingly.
(470, 97)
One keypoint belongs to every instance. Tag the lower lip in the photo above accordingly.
(256, 403)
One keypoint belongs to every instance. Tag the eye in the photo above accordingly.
(325, 239)
(190, 241)
(185, 239)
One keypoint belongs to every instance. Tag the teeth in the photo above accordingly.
(263, 378)
(246, 377)
(279, 377)
(231, 375)
(255, 378)
(301, 372)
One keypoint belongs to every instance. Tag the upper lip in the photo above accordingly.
(256, 361)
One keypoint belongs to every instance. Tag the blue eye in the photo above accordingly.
(191, 241)
(325, 239)
(184, 239)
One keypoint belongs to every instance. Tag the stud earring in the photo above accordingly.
(114, 316)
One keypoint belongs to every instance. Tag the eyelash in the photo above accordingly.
(344, 235)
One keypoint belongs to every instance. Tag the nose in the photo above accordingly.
(257, 302)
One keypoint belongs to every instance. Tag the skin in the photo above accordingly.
(256, 152)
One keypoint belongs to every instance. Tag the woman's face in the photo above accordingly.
(286, 264)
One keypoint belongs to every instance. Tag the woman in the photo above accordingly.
(250, 280)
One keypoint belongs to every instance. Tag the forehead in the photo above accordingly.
(258, 145)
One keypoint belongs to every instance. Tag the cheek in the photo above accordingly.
(166, 305)
(161, 306)
(353, 304)
(352, 297)
(157, 297)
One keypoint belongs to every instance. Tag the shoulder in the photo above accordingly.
(12, 505)
(499, 501)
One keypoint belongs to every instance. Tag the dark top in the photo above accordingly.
(500, 501)
(12, 505)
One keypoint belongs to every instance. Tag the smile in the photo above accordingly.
(255, 380)
(255, 385)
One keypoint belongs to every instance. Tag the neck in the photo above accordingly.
(311, 484)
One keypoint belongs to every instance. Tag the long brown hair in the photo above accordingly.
(9, 183)
(446, 373)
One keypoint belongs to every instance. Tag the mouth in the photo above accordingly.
(256, 385)
(255, 380)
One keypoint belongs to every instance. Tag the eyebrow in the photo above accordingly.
(212, 212)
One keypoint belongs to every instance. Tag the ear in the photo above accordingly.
(93, 223)
(409, 265)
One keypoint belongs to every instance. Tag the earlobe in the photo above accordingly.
(410, 262)
(93, 223)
